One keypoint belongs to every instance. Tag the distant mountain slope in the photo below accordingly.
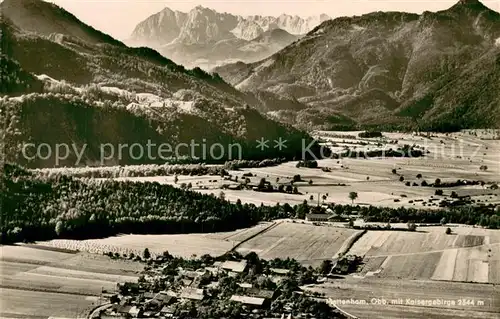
(61, 88)
(435, 70)
(206, 37)
(46, 18)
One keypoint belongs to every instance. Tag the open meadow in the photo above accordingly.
(372, 297)
(306, 243)
(183, 245)
(41, 282)
(468, 254)
(447, 157)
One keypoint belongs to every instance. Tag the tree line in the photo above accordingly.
(43, 208)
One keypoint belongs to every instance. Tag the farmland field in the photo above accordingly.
(184, 245)
(457, 300)
(467, 255)
(422, 264)
(18, 303)
(39, 281)
(304, 242)
(450, 157)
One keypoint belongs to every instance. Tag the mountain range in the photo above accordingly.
(65, 82)
(204, 37)
(434, 71)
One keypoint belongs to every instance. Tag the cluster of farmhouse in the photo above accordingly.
(214, 285)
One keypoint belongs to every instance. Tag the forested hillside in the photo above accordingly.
(66, 83)
(434, 71)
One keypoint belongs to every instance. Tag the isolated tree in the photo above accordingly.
(262, 183)
(59, 227)
(448, 231)
(454, 194)
(394, 171)
(167, 255)
(419, 176)
(190, 185)
(438, 192)
(297, 178)
(351, 223)
(295, 190)
(437, 182)
(424, 183)
(311, 198)
(325, 267)
(483, 168)
(411, 226)
(494, 186)
(302, 210)
(146, 254)
(310, 182)
(353, 196)
(401, 178)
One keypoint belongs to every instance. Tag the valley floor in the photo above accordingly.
(461, 268)
(451, 157)
(39, 282)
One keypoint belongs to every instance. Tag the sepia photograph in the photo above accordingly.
(253, 159)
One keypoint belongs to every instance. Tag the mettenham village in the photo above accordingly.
(228, 286)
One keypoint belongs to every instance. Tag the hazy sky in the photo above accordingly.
(119, 17)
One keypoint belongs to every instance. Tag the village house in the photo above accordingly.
(317, 217)
(192, 294)
(260, 293)
(249, 301)
(135, 312)
(234, 266)
(280, 271)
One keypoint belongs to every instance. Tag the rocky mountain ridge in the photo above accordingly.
(205, 34)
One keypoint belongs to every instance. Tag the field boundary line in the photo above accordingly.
(349, 242)
(91, 313)
(2, 286)
(50, 248)
(435, 251)
(274, 224)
